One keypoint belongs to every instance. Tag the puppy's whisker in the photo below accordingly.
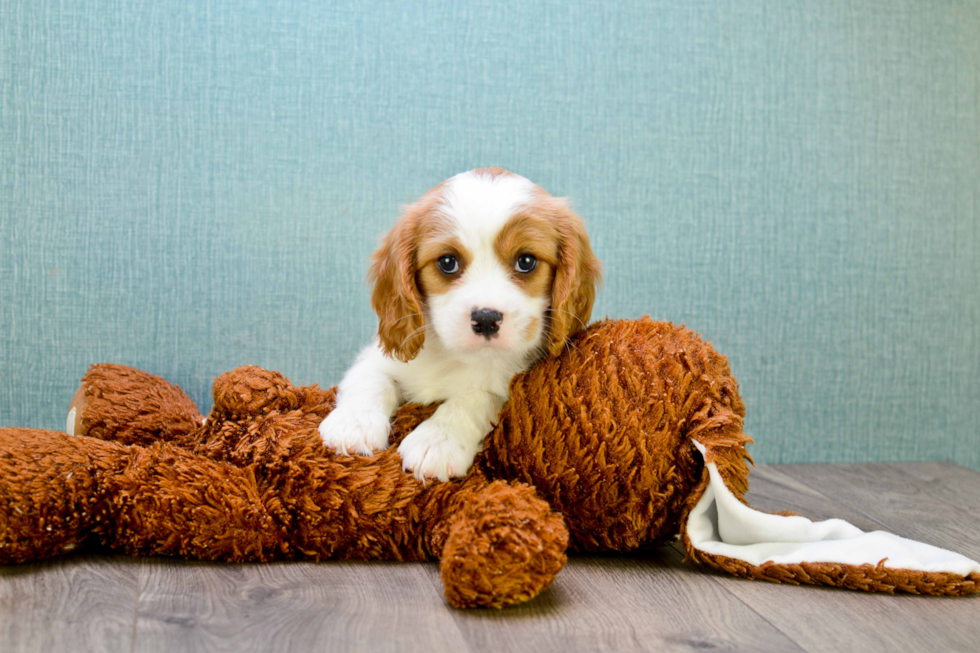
(539, 352)
(558, 310)
(405, 317)
(411, 335)
(568, 342)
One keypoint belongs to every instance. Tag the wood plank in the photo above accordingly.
(821, 619)
(330, 606)
(77, 603)
(648, 602)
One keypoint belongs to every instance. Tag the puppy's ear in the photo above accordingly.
(395, 296)
(578, 274)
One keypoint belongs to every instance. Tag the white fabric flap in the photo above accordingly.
(720, 524)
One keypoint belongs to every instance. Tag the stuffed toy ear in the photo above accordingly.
(727, 534)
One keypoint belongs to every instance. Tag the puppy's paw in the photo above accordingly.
(432, 451)
(351, 431)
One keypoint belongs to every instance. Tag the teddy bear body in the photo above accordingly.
(592, 453)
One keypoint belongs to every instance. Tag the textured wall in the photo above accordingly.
(189, 186)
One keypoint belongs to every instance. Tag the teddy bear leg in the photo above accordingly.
(53, 491)
(116, 402)
(504, 546)
(59, 491)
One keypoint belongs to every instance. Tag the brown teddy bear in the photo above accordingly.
(628, 439)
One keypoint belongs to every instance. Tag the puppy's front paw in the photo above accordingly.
(431, 451)
(351, 431)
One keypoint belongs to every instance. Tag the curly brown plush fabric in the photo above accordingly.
(592, 452)
(866, 578)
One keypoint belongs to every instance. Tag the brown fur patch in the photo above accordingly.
(529, 232)
(532, 328)
(434, 245)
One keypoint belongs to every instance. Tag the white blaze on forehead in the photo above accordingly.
(480, 205)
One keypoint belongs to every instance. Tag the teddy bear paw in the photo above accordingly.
(431, 451)
(352, 432)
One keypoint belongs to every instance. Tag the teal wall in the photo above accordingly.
(190, 186)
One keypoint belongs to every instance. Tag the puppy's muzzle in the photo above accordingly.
(486, 322)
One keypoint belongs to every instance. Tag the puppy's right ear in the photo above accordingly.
(579, 273)
(395, 296)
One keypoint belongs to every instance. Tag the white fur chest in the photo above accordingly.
(437, 375)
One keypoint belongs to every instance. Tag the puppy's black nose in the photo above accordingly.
(486, 321)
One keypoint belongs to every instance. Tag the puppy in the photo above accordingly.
(479, 278)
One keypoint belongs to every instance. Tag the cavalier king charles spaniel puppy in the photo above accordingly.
(478, 279)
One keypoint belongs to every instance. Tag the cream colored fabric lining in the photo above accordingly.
(722, 525)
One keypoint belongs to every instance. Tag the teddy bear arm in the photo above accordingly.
(503, 545)
(251, 391)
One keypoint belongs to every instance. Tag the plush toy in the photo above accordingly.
(630, 438)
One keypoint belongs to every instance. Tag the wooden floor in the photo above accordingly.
(642, 603)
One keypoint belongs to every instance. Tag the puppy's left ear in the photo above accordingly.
(578, 274)
(395, 296)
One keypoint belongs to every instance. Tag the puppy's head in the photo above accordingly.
(489, 261)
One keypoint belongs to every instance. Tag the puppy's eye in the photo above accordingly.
(448, 264)
(526, 263)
